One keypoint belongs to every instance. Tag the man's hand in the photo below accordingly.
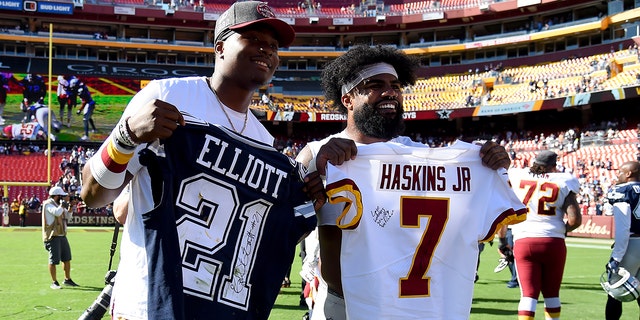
(612, 267)
(155, 120)
(336, 151)
(64, 204)
(314, 188)
(494, 156)
(505, 250)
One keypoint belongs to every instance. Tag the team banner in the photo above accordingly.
(595, 227)
(86, 68)
(15, 5)
(526, 106)
(37, 6)
(128, 11)
(85, 219)
(55, 7)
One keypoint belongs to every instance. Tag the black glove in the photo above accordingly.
(505, 250)
(612, 267)
(503, 242)
(508, 254)
(64, 204)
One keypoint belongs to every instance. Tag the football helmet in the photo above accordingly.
(75, 83)
(621, 286)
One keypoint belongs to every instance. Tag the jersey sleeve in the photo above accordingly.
(345, 200)
(621, 215)
(504, 201)
(573, 184)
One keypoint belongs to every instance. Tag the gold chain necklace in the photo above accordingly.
(222, 107)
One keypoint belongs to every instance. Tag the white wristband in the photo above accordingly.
(122, 137)
(102, 174)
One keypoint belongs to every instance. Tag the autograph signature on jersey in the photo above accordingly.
(381, 216)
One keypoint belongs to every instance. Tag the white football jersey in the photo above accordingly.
(27, 131)
(411, 222)
(544, 196)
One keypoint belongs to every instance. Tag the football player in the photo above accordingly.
(539, 247)
(366, 84)
(626, 249)
(24, 131)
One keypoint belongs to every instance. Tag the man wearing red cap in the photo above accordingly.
(210, 228)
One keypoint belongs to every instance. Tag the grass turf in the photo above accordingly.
(25, 292)
(107, 113)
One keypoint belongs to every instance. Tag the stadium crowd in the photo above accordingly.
(595, 171)
(594, 168)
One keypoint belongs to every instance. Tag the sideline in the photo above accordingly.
(69, 229)
(592, 243)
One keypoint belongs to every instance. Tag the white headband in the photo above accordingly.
(367, 72)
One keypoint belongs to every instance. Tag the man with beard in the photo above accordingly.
(367, 84)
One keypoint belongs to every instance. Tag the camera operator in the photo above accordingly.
(55, 212)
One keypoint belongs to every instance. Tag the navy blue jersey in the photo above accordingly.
(83, 93)
(34, 89)
(630, 193)
(225, 227)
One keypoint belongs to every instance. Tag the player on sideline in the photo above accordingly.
(539, 249)
(148, 283)
(626, 211)
(86, 108)
(365, 83)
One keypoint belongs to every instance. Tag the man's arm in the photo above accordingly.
(336, 151)
(94, 194)
(572, 210)
(154, 120)
(305, 156)
(330, 242)
(622, 220)
(121, 207)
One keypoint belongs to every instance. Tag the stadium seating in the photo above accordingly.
(516, 84)
(28, 168)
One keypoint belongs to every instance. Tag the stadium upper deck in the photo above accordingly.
(446, 33)
(148, 39)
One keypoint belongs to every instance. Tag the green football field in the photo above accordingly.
(25, 292)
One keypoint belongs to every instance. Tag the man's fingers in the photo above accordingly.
(336, 151)
(314, 188)
(494, 156)
(164, 105)
(169, 112)
(156, 120)
(486, 147)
